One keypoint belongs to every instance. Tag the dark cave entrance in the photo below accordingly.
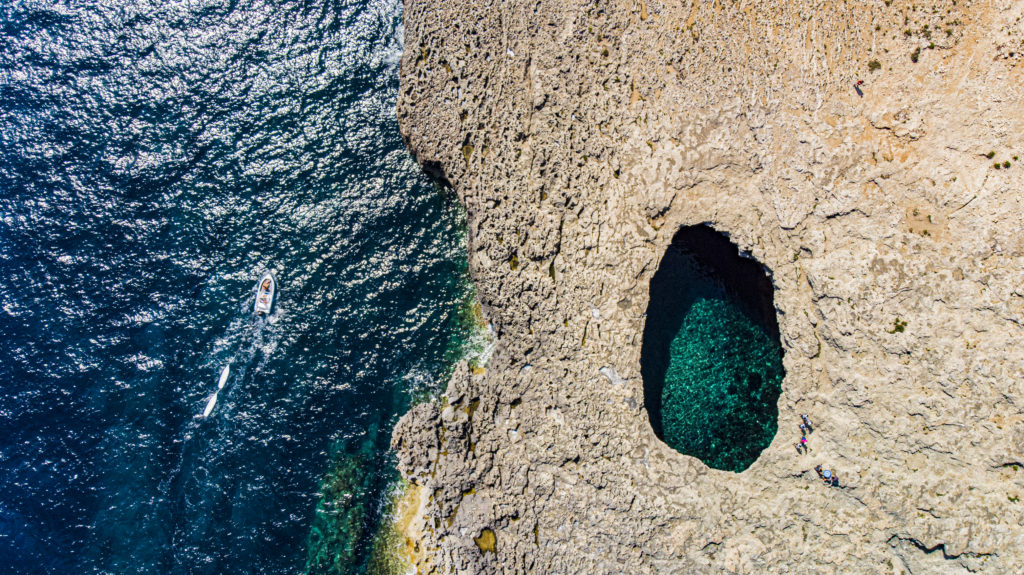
(711, 358)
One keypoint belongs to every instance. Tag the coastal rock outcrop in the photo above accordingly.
(870, 154)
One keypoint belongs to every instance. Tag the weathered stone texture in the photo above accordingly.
(582, 134)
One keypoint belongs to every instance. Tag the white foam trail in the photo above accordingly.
(209, 406)
(224, 376)
(220, 385)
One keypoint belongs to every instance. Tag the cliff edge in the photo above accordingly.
(581, 135)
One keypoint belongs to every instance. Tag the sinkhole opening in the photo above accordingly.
(711, 358)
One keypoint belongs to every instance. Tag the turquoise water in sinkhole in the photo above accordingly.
(711, 358)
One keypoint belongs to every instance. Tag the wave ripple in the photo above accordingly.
(156, 156)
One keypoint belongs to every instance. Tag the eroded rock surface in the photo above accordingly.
(582, 134)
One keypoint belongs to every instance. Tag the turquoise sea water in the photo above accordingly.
(712, 361)
(156, 157)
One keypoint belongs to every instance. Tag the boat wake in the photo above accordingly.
(220, 385)
(248, 340)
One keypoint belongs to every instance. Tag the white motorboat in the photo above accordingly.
(265, 294)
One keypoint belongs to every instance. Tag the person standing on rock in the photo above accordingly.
(807, 422)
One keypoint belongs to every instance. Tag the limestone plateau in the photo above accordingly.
(581, 135)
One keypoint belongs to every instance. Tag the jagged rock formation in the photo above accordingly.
(582, 134)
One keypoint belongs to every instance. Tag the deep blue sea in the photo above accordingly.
(155, 157)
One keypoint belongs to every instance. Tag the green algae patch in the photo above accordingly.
(486, 542)
(353, 531)
(393, 551)
(349, 533)
(711, 358)
(342, 528)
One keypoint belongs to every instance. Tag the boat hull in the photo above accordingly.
(264, 294)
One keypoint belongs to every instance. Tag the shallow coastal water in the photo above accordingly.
(712, 360)
(156, 157)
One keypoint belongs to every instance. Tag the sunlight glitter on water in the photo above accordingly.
(157, 157)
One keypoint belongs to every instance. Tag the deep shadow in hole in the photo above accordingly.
(700, 263)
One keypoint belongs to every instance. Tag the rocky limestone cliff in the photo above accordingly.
(582, 134)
